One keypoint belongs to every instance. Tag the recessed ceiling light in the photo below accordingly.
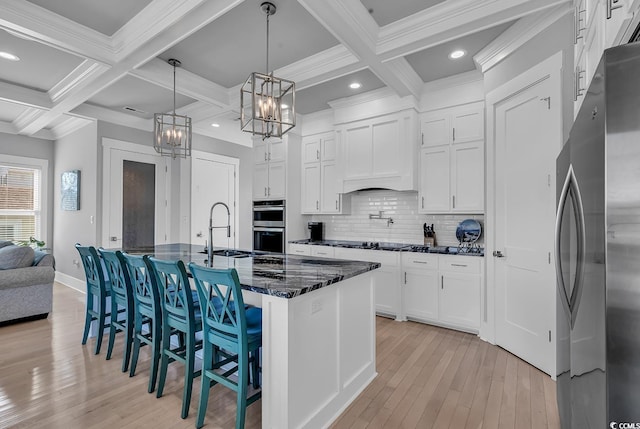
(458, 53)
(9, 56)
(216, 125)
(355, 85)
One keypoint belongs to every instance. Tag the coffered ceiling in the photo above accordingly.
(86, 59)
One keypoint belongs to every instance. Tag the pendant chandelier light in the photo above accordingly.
(267, 103)
(172, 133)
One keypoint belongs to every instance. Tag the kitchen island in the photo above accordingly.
(318, 321)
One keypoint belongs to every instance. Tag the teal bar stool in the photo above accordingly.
(180, 314)
(148, 313)
(230, 330)
(121, 301)
(98, 289)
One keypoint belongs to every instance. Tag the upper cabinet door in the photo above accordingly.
(329, 149)
(260, 152)
(311, 188)
(434, 180)
(436, 130)
(467, 177)
(277, 180)
(468, 125)
(276, 150)
(310, 149)
(330, 198)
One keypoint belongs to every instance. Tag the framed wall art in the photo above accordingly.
(71, 190)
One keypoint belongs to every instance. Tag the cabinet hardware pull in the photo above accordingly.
(420, 262)
(317, 205)
(611, 7)
(265, 156)
(454, 134)
(454, 201)
(422, 202)
(269, 190)
(269, 156)
(405, 277)
(578, 21)
(441, 282)
(318, 154)
(422, 139)
(336, 204)
(458, 265)
(265, 191)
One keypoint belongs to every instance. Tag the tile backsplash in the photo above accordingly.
(402, 207)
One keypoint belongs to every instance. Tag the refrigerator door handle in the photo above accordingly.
(562, 289)
(571, 189)
(576, 294)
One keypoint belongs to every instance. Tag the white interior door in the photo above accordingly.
(527, 140)
(121, 187)
(213, 179)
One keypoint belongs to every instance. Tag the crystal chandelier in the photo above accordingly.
(172, 133)
(267, 103)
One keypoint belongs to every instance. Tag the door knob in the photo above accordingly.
(498, 254)
(199, 234)
(114, 238)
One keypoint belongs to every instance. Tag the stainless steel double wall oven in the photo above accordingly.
(269, 226)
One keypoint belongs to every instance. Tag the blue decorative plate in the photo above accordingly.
(468, 231)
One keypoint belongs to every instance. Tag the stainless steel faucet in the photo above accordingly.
(211, 227)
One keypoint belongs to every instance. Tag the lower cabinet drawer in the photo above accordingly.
(460, 264)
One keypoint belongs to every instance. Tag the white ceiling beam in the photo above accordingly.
(87, 71)
(149, 22)
(197, 18)
(354, 27)
(190, 84)
(69, 126)
(33, 22)
(451, 20)
(517, 35)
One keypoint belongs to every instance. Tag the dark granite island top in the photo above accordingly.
(281, 275)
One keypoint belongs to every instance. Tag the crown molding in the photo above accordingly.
(461, 79)
(27, 116)
(8, 128)
(69, 126)
(24, 96)
(33, 22)
(450, 20)
(87, 71)
(517, 35)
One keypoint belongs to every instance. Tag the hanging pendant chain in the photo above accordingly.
(174, 90)
(268, 14)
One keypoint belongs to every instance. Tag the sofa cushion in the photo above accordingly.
(4, 243)
(16, 257)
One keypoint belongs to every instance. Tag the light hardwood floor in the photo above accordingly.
(428, 377)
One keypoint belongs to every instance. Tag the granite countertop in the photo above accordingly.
(396, 247)
(281, 275)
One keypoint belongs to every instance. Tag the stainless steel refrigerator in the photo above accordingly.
(598, 252)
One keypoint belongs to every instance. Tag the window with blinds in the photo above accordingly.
(20, 212)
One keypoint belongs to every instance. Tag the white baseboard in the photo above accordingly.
(71, 282)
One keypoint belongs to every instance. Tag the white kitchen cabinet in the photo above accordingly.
(270, 169)
(380, 152)
(452, 168)
(322, 251)
(459, 295)
(321, 191)
(420, 286)
(299, 249)
(599, 24)
(387, 279)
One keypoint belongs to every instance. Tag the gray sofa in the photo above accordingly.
(26, 283)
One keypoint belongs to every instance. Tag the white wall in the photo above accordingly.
(30, 147)
(76, 151)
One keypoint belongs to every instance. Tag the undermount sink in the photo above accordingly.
(230, 253)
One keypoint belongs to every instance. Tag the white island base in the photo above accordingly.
(318, 353)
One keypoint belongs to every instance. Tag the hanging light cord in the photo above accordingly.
(174, 89)
(268, 14)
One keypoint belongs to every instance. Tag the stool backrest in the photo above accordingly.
(118, 274)
(175, 292)
(143, 282)
(224, 312)
(93, 269)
